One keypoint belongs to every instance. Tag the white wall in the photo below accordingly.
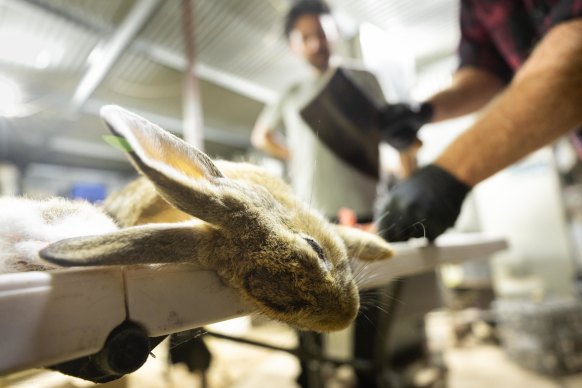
(524, 203)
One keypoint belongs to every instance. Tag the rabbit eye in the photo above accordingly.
(317, 248)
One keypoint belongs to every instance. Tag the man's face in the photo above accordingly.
(308, 40)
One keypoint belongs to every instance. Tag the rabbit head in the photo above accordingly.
(282, 257)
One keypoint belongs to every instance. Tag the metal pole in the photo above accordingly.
(191, 104)
(137, 17)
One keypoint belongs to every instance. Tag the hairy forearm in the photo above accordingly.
(408, 159)
(543, 102)
(471, 89)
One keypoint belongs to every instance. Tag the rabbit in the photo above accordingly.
(28, 225)
(285, 259)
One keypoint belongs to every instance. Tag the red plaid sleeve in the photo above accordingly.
(476, 47)
(561, 11)
(499, 35)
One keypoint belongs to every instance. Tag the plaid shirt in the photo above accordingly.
(498, 35)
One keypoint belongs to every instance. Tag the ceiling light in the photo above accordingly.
(28, 49)
(10, 97)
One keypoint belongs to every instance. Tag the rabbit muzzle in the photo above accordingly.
(310, 300)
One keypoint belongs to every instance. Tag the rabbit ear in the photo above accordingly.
(149, 244)
(362, 245)
(182, 174)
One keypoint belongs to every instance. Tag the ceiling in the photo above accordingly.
(70, 57)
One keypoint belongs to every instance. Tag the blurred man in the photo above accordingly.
(326, 171)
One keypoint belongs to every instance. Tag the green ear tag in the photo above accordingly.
(118, 142)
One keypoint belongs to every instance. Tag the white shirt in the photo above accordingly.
(318, 176)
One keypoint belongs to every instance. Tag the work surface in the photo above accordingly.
(51, 317)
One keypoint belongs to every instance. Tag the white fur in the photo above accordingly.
(27, 225)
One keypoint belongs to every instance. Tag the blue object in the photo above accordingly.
(92, 192)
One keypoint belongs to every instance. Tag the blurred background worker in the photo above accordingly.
(318, 172)
(521, 60)
(331, 139)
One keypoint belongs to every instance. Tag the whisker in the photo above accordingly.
(177, 339)
(364, 315)
(423, 228)
(313, 181)
(359, 275)
(380, 218)
(382, 232)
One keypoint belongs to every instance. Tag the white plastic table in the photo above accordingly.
(55, 316)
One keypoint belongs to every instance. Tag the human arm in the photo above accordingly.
(472, 88)
(483, 73)
(264, 136)
(265, 139)
(408, 159)
(542, 102)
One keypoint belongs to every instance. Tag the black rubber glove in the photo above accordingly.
(425, 205)
(399, 123)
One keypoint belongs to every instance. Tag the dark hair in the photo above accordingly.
(303, 7)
